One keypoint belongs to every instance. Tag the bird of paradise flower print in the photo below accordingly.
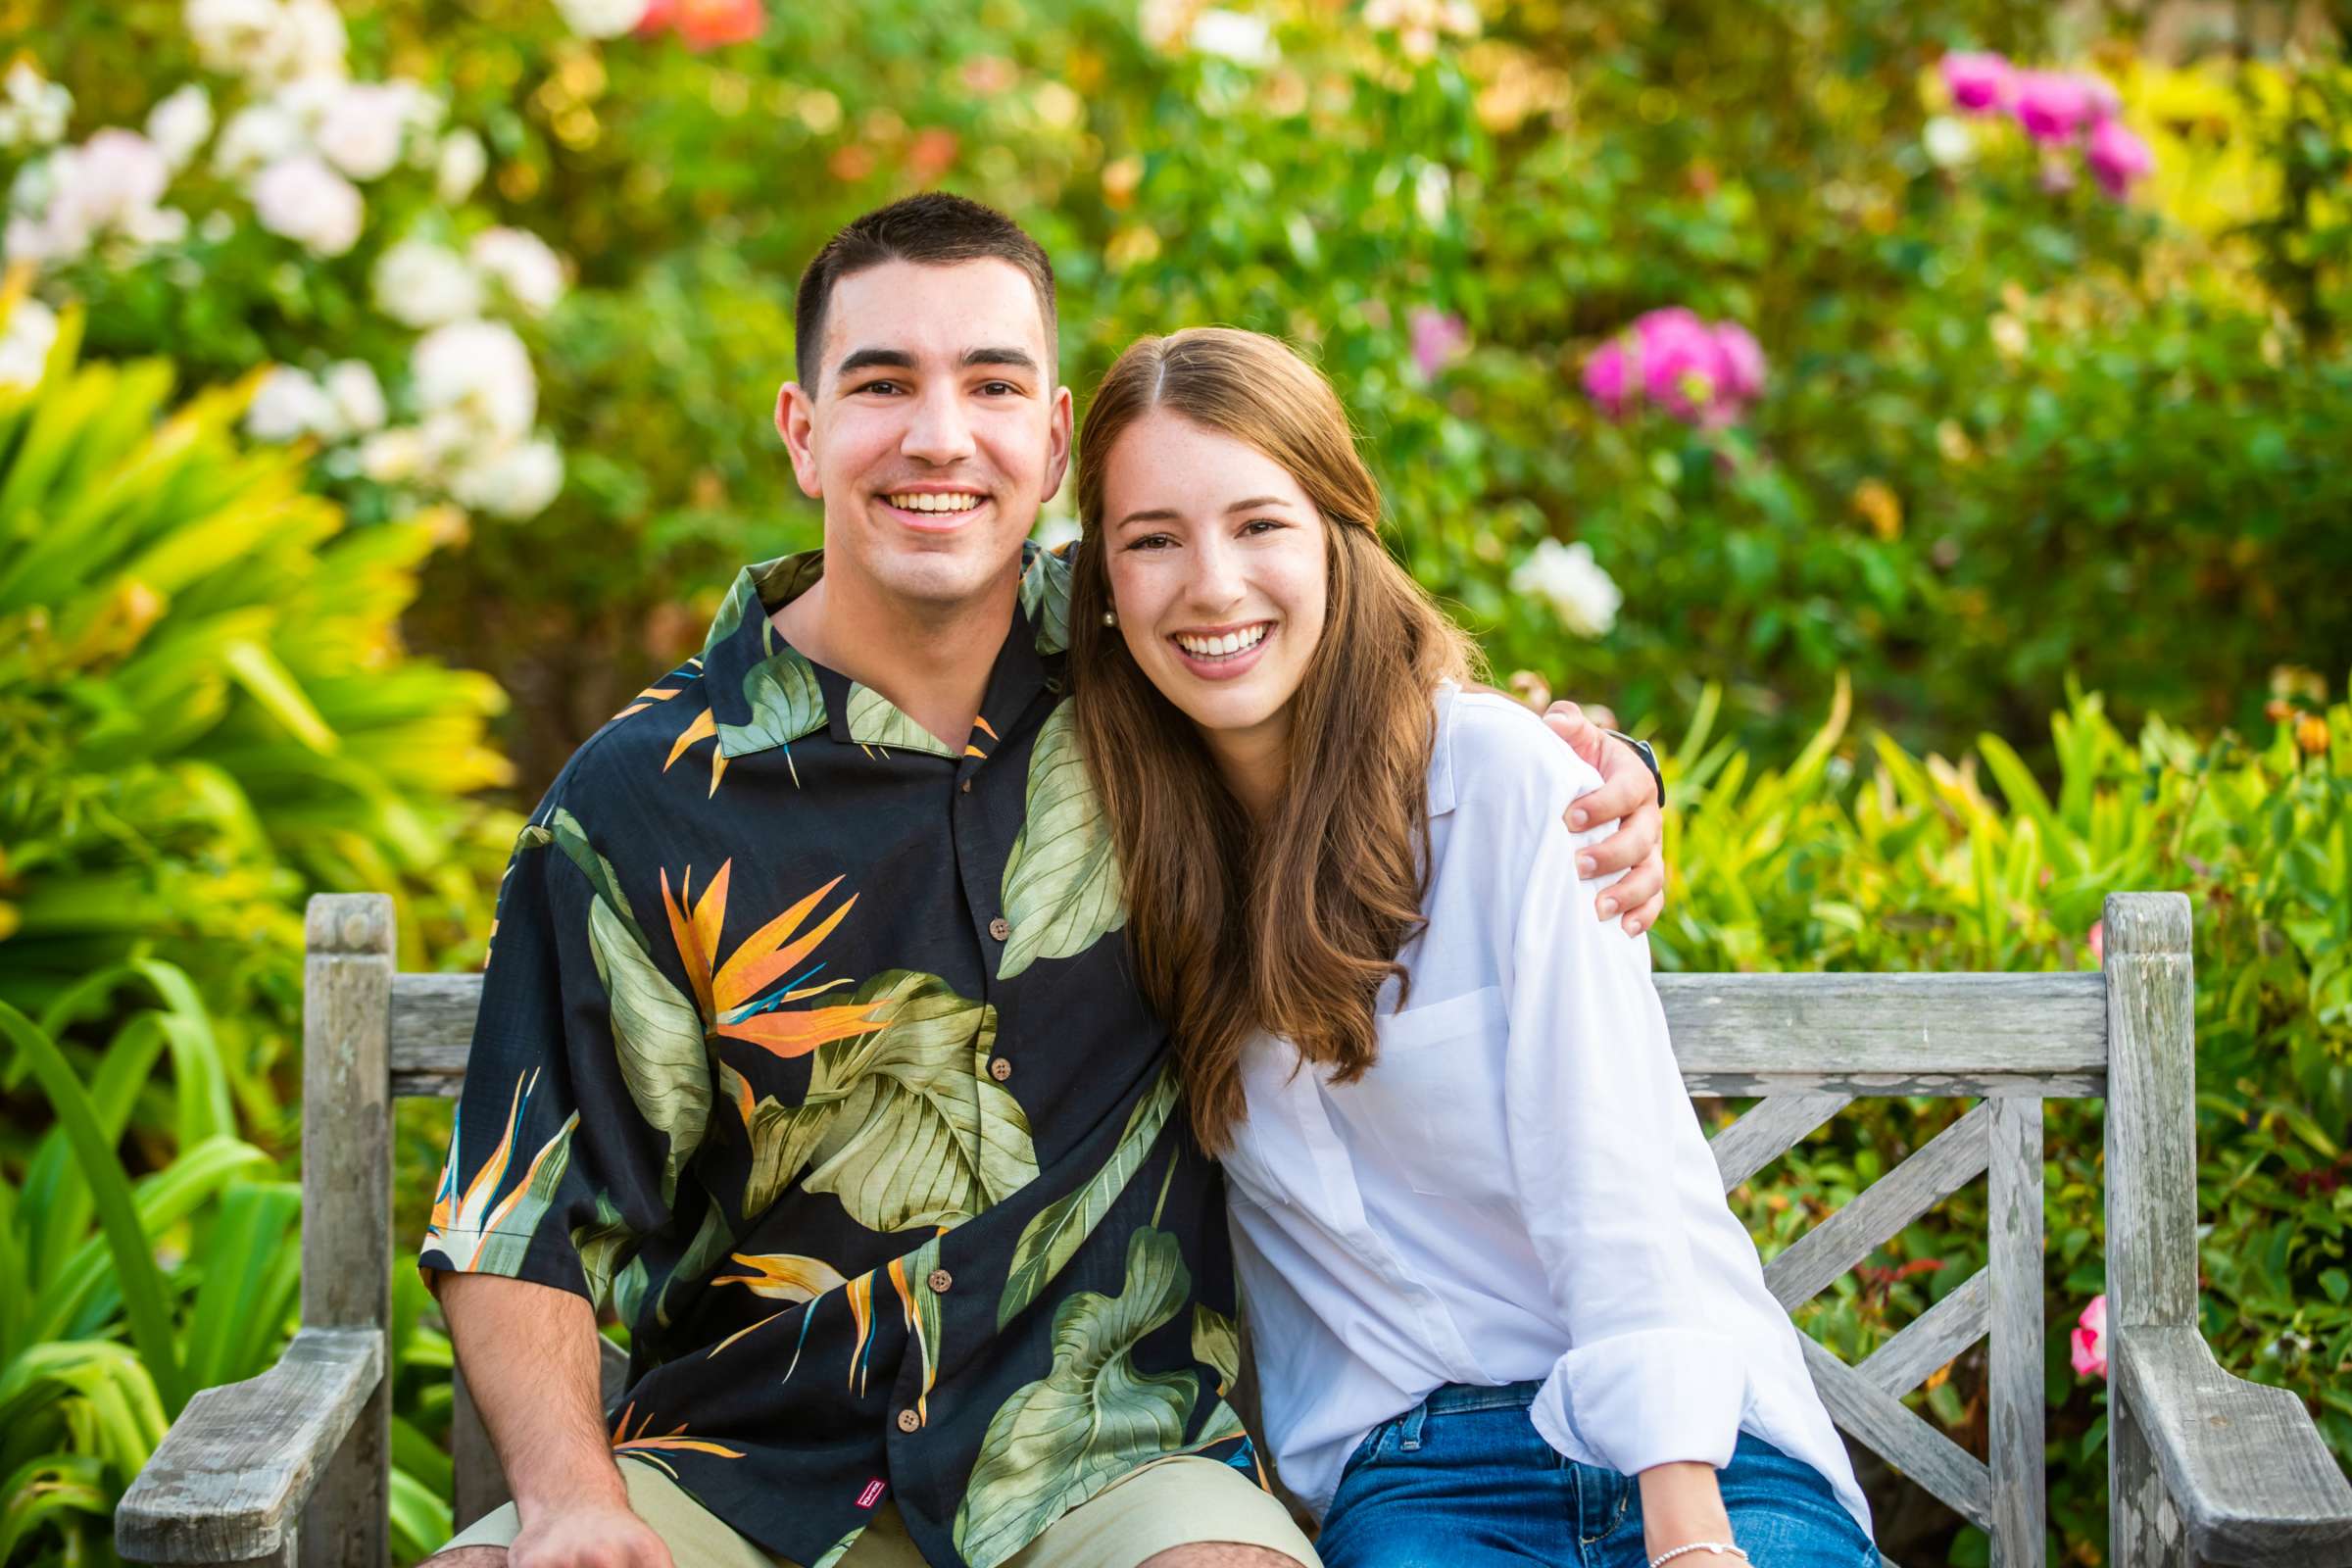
(729, 993)
(487, 1227)
(648, 1449)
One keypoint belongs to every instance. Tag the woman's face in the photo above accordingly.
(1217, 571)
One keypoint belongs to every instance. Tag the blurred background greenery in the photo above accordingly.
(384, 394)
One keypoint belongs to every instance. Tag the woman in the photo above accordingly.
(1501, 1312)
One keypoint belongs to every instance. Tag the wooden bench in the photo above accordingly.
(2203, 1467)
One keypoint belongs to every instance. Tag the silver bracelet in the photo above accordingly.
(1713, 1548)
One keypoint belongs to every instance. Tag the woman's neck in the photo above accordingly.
(1255, 762)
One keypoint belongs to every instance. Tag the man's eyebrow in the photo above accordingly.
(1019, 359)
(895, 358)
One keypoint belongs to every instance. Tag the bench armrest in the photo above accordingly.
(229, 1482)
(2243, 1462)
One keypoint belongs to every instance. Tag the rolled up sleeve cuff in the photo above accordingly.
(1636, 1400)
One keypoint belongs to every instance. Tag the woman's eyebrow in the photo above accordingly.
(1254, 501)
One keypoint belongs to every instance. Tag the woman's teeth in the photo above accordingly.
(958, 502)
(1225, 647)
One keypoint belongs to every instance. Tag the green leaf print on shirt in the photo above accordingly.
(1063, 889)
(875, 721)
(1090, 1420)
(1052, 1237)
(657, 1036)
(785, 705)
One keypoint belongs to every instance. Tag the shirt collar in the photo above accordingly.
(764, 693)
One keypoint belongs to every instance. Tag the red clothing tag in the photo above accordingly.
(872, 1494)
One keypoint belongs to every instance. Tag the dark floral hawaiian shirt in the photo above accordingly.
(807, 1042)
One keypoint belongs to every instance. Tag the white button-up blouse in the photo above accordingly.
(1518, 1189)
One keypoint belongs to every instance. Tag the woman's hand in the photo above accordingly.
(1629, 797)
(1682, 1507)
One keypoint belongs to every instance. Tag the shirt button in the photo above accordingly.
(909, 1421)
(1000, 928)
(968, 786)
(940, 1279)
(1000, 1069)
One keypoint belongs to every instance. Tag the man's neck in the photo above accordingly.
(931, 661)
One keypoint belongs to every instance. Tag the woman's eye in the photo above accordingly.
(1152, 541)
(1262, 525)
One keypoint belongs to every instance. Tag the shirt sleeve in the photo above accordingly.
(1599, 1126)
(554, 1172)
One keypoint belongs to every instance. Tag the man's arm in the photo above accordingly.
(529, 1355)
(1628, 796)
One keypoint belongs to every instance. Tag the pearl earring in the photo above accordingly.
(1110, 617)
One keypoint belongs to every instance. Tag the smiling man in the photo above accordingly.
(808, 1045)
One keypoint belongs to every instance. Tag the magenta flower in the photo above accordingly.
(2052, 105)
(1438, 338)
(1608, 377)
(2089, 1340)
(1980, 81)
(2100, 99)
(2118, 158)
(1682, 364)
(1742, 361)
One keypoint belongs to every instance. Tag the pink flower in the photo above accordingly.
(1742, 361)
(2099, 96)
(1682, 364)
(1608, 377)
(2052, 105)
(2118, 158)
(1979, 80)
(707, 23)
(2089, 1340)
(1438, 338)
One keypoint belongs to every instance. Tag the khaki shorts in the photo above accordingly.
(1180, 1501)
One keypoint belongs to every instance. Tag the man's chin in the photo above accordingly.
(947, 577)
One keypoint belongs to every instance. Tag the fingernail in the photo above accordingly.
(1608, 906)
(1584, 865)
(1576, 818)
(1633, 926)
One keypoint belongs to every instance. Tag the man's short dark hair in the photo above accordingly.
(935, 229)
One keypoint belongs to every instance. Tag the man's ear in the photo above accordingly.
(796, 423)
(1057, 460)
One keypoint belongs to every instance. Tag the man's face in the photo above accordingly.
(934, 431)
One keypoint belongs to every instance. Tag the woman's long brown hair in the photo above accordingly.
(1293, 924)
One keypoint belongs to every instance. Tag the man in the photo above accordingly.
(808, 1043)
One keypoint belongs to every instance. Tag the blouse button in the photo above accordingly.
(940, 1279)
(909, 1421)
(1000, 928)
(1000, 1069)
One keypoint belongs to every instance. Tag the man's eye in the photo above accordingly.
(1001, 388)
(879, 386)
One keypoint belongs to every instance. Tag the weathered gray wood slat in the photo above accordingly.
(347, 1201)
(1932, 1340)
(230, 1478)
(2014, 1443)
(1768, 1130)
(2151, 1187)
(1736, 1034)
(2252, 1482)
(1950, 1159)
(1875, 1417)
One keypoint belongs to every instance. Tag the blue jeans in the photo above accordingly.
(1463, 1480)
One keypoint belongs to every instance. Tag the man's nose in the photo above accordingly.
(938, 431)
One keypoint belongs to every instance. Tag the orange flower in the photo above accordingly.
(729, 994)
(2310, 733)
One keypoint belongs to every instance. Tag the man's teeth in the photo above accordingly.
(1225, 647)
(925, 501)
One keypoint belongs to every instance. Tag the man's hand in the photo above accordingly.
(596, 1535)
(1627, 797)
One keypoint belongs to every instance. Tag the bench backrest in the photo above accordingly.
(1802, 1046)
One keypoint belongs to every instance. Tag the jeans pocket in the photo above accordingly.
(1368, 1451)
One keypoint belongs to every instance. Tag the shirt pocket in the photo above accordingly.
(1431, 1102)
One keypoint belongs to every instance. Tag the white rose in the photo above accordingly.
(602, 19)
(478, 369)
(255, 136)
(233, 36)
(311, 41)
(356, 394)
(362, 125)
(309, 203)
(517, 482)
(1567, 576)
(115, 175)
(1949, 141)
(179, 124)
(418, 283)
(25, 345)
(393, 456)
(460, 168)
(288, 406)
(531, 273)
(1242, 39)
(35, 108)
